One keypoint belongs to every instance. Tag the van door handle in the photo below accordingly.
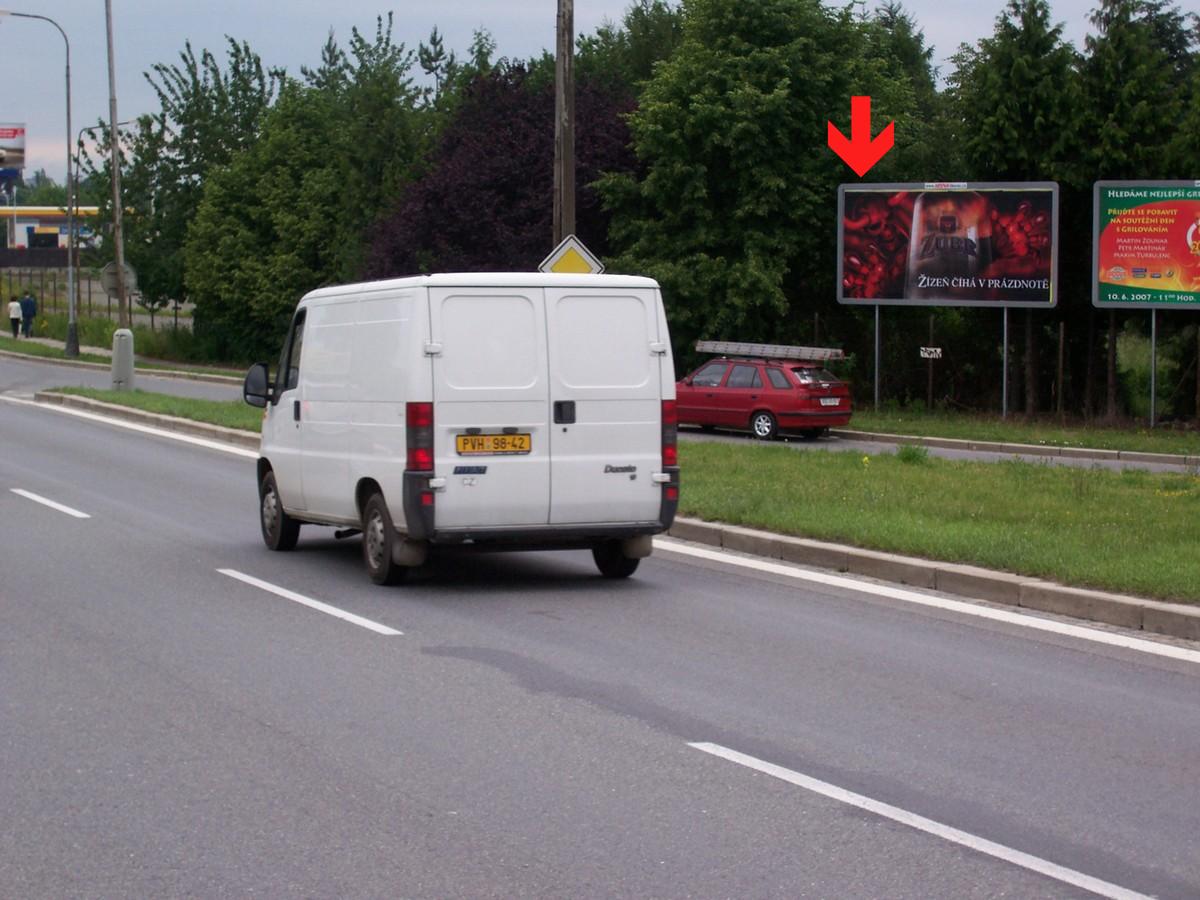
(564, 412)
(296, 410)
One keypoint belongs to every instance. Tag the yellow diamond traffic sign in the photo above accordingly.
(571, 257)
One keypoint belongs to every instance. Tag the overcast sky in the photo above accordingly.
(290, 33)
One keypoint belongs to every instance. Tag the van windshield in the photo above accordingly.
(809, 375)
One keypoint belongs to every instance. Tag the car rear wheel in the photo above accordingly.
(811, 434)
(279, 530)
(763, 424)
(611, 562)
(378, 537)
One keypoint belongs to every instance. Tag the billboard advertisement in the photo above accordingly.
(948, 244)
(12, 149)
(1147, 244)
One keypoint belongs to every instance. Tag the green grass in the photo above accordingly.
(1131, 532)
(29, 348)
(992, 428)
(228, 413)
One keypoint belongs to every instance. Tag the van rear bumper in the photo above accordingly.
(421, 523)
(560, 537)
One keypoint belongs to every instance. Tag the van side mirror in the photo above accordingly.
(257, 388)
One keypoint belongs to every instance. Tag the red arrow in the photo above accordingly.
(861, 152)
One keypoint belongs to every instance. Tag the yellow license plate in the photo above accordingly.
(493, 444)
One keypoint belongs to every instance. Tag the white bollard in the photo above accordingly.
(122, 360)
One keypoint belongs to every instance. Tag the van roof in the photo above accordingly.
(489, 279)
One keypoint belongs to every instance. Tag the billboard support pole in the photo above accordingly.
(876, 357)
(1004, 365)
(1153, 363)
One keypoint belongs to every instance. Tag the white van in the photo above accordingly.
(483, 411)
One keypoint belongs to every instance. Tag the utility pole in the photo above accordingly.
(564, 123)
(114, 149)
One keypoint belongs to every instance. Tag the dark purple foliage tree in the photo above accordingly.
(485, 201)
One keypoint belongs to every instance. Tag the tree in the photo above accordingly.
(735, 207)
(207, 115)
(481, 204)
(623, 56)
(1017, 99)
(260, 238)
(1134, 80)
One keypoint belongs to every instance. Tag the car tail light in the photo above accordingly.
(419, 421)
(670, 434)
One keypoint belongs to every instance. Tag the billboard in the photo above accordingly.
(1147, 244)
(12, 149)
(948, 244)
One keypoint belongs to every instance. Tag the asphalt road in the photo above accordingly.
(169, 729)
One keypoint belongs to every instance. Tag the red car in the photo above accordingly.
(766, 396)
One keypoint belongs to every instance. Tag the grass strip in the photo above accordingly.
(30, 348)
(227, 413)
(1131, 531)
(989, 428)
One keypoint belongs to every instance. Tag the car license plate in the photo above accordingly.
(830, 401)
(493, 444)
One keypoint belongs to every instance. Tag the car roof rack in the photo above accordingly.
(770, 351)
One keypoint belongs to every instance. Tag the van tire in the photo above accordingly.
(611, 562)
(763, 425)
(279, 530)
(378, 537)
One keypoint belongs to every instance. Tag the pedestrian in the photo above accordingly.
(28, 311)
(14, 316)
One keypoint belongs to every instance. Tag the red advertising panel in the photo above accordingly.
(1147, 244)
(963, 244)
(12, 146)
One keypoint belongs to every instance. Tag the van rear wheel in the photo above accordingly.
(279, 530)
(611, 562)
(379, 535)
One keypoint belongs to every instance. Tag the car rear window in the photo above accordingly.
(808, 375)
(744, 377)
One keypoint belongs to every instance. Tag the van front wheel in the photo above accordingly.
(611, 562)
(279, 530)
(378, 538)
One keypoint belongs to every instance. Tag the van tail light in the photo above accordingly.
(670, 434)
(418, 419)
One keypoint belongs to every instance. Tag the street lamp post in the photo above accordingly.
(118, 232)
(75, 193)
(72, 346)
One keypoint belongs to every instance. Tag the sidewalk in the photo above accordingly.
(1172, 619)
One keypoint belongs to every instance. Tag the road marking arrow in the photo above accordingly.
(861, 151)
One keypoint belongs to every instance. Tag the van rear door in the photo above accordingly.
(606, 357)
(491, 406)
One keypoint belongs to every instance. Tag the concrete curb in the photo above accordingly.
(1168, 459)
(248, 439)
(1173, 619)
(145, 373)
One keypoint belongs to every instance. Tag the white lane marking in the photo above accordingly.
(311, 603)
(134, 426)
(946, 832)
(38, 498)
(984, 612)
